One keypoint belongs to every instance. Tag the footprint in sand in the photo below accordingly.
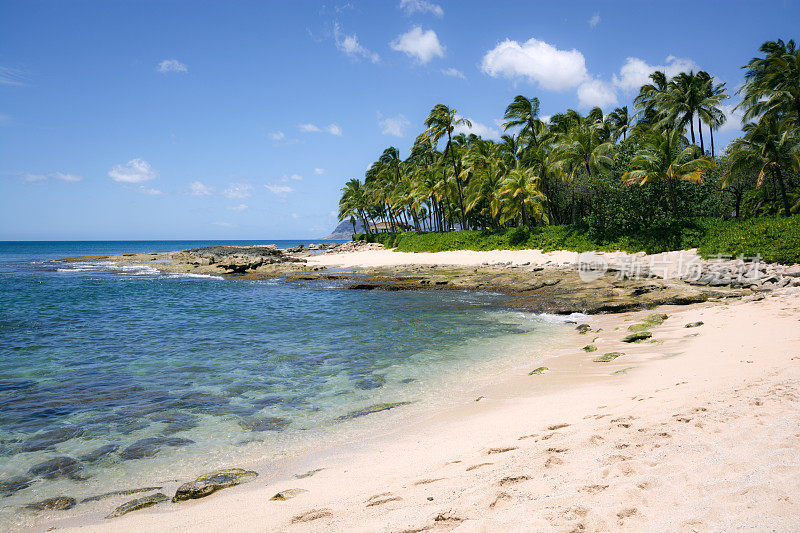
(473, 467)
(511, 480)
(553, 461)
(593, 489)
(428, 481)
(313, 514)
(500, 450)
(502, 501)
(557, 426)
(528, 436)
(626, 513)
(380, 499)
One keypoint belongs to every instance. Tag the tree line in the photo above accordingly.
(614, 173)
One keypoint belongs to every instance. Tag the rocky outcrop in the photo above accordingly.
(59, 503)
(212, 482)
(138, 503)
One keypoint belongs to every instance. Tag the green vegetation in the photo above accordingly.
(540, 370)
(616, 181)
(610, 356)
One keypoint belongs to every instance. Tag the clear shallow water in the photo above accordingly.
(132, 377)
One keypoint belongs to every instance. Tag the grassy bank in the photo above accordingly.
(775, 239)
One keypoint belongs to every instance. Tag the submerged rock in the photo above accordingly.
(370, 382)
(59, 503)
(270, 423)
(590, 348)
(212, 482)
(694, 324)
(287, 494)
(98, 453)
(377, 408)
(583, 328)
(47, 439)
(610, 356)
(150, 446)
(11, 485)
(540, 370)
(638, 336)
(56, 468)
(139, 503)
(124, 492)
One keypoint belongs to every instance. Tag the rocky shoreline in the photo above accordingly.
(596, 283)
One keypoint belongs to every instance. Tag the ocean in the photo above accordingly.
(119, 377)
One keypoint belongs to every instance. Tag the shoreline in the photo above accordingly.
(419, 457)
(667, 419)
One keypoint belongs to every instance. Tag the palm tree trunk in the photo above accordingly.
(672, 201)
(711, 131)
(458, 180)
(700, 129)
(691, 129)
(779, 176)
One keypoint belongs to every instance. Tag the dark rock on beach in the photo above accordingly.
(57, 467)
(270, 423)
(694, 324)
(637, 336)
(125, 492)
(150, 446)
(98, 453)
(14, 484)
(139, 503)
(59, 503)
(212, 482)
(377, 408)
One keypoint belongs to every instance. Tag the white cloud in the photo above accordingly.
(636, 72)
(595, 92)
(238, 208)
(734, 117)
(293, 177)
(595, 20)
(152, 192)
(277, 136)
(349, 45)
(238, 191)
(419, 44)
(172, 65)
(393, 125)
(279, 190)
(319, 171)
(200, 189)
(538, 61)
(71, 178)
(333, 129)
(134, 171)
(454, 72)
(477, 128)
(545, 118)
(421, 6)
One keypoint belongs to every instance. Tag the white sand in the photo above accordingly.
(702, 434)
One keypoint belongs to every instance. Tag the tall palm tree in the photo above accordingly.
(619, 122)
(770, 144)
(523, 112)
(521, 188)
(709, 111)
(353, 203)
(772, 82)
(441, 121)
(666, 158)
(648, 101)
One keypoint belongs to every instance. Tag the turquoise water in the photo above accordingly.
(132, 376)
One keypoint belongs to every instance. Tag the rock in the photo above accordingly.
(14, 484)
(308, 474)
(623, 370)
(694, 324)
(377, 408)
(287, 494)
(150, 446)
(638, 336)
(540, 370)
(605, 358)
(753, 297)
(370, 382)
(124, 492)
(56, 468)
(590, 348)
(583, 328)
(98, 453)
(46, 440)
(139, 503)
(59, 503)
(652, 320)
(212, 482)
(270, 423)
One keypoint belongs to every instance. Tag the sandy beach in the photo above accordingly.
(694, 431)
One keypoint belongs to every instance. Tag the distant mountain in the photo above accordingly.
(345, 230)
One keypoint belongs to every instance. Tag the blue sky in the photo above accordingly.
(228, 119)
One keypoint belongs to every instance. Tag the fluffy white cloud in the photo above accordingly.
(393, 125)
(636, 72)
(454, 72)
(277, 136)
(538, 61)
(238, 208)
(349, 45)
(595, 92)
(421, 6)
(61, 176)
(238, 191)
(333, 129)
(419, 44)
(595, 20)
(134, 171)
(319, 171)
(198, 188)
(279, 190)
(172, 65)
(477, 128)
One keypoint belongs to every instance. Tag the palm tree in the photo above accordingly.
(353, 203)
(619, 122)
(666, 158)
(772, 82)
(440, 122)
(523, 112)
(648, 101)
(710, 113)
(521, 188)
(770, 144)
